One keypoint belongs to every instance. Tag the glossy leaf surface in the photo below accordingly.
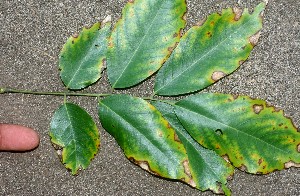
(145, 136)
(143, 39)
(73, 129)
(254, 136)
(208, 170)
(209, 52)
(81, 58)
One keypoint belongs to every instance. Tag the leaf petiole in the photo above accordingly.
(67, 93)
(9, 90)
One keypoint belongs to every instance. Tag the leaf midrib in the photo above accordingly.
(73, 136)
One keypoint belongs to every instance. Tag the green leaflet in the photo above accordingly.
(73, 129)
(166, 140)
(254, 136)
(209, 171)
(209, 52)
(81, 58)
(143, 39)
(145, 136)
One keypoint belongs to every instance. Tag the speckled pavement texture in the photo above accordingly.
(31, 36)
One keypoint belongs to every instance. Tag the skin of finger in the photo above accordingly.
(17, 138)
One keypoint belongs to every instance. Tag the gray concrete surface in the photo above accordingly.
(31, 36)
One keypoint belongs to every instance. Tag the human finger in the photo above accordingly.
(17, 138)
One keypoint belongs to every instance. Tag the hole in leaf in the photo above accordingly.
(219, 132)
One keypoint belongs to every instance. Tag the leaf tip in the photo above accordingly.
(2, 90)
(261, 7)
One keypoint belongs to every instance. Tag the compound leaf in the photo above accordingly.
(81, 58)
(145, 136)
(74, 130)
(209, 170)
(143, 39)
(254, 136)
(209, 52)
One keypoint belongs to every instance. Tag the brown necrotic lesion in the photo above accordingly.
(257, 108)
(217, 75)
